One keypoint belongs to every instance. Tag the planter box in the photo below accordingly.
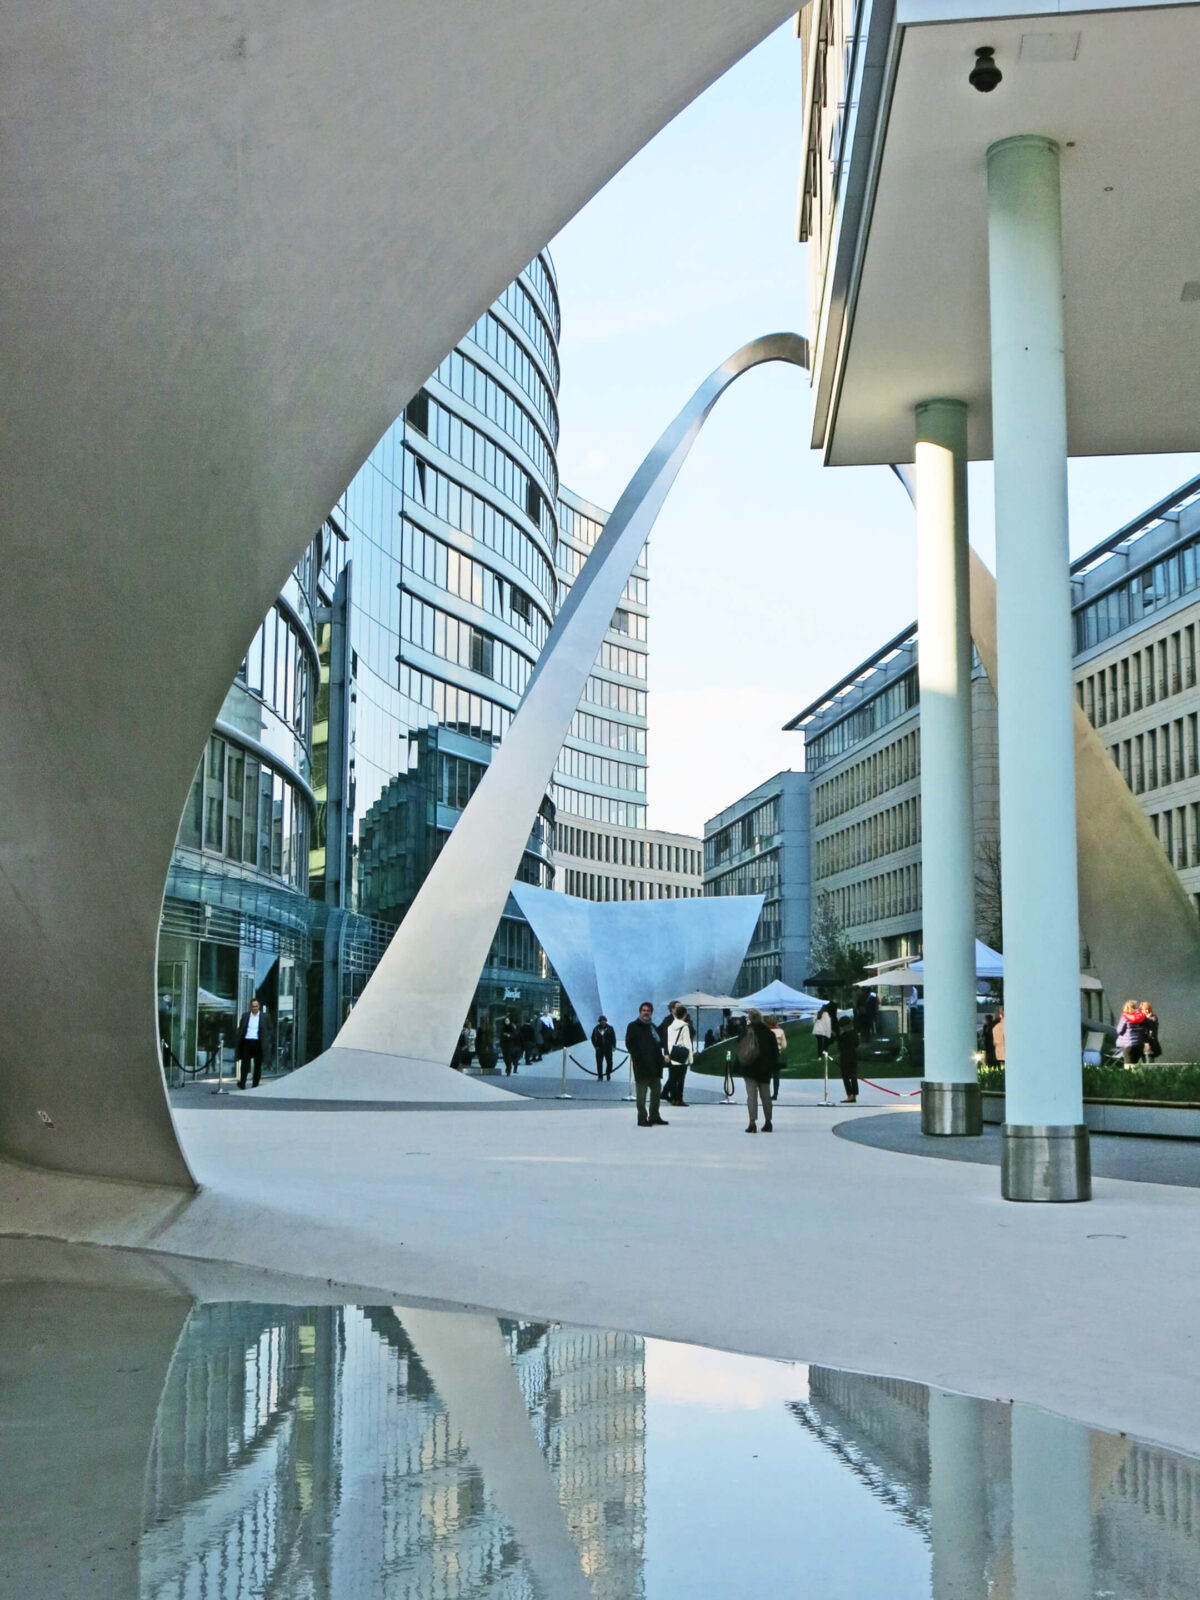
(1151, 1119)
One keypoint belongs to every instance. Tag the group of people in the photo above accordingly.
(839, 1037)
(761, 1051)
(516, 1041)
(1137, 1033)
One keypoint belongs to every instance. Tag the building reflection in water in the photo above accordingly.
(307, 1453)
(1015, 1503)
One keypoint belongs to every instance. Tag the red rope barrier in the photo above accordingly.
(907, 1095)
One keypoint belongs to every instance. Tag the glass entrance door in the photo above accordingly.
(173, 994)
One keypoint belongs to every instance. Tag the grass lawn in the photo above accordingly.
(802, 1059)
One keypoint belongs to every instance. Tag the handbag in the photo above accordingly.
(678, 1052)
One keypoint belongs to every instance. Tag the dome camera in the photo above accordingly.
(985, 74)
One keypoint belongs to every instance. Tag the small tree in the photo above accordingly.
(837, 965)
(989, 894)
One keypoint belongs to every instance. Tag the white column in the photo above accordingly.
(1033, 633)
(947, 827)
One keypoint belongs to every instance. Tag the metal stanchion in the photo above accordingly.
(728, 1087)
(631, 1095)
(562, 1093)
(825, 1100)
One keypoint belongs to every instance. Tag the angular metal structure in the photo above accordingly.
(612, 955)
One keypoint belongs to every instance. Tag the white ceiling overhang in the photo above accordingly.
(1116, 89)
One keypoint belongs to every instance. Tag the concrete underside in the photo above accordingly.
(341, 1074)
(800, 1245)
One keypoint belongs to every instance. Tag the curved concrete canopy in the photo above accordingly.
(233, 242)
(409, 1015)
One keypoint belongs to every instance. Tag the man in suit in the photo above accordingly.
(604, 1042)
(646, 1053)
(255, 1042)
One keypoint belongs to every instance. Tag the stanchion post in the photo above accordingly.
(631, 1095)
(825, 1062)
(562, 1093)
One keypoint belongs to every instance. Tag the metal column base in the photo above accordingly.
(952, 1108)
(1045, 1163)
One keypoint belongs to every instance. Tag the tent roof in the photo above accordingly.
(710, 1002)
(779, 996)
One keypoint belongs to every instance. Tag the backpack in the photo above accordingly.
(747, 1050)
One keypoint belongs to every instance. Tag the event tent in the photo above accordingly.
(989, 963)
(778, 996)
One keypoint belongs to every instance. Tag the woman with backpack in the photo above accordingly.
(758, 1061)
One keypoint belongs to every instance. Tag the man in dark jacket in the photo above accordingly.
(604, 1042)
(646, 1054)
(255, 1042)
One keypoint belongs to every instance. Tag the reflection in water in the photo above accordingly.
(385, 1453)
(306, 1452)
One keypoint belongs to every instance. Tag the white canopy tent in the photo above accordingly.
(780, 998)
(989, 963)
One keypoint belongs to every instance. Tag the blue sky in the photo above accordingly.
(771, 575)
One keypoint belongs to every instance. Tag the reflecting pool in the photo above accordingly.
(164, 1447)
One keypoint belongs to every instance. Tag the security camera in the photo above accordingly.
(985, 74)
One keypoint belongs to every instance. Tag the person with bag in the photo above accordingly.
(646, 1056)
(757, 1059)
(679, 1055)
(824, 1024)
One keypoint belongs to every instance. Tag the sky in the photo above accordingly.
(771, 575)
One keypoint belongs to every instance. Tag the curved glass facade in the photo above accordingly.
(443, 549)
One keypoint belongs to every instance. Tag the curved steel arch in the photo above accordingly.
(413, 1007)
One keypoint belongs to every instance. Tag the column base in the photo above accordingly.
(1045, 1163)
(952, 1109)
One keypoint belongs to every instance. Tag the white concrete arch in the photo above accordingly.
(233, 242)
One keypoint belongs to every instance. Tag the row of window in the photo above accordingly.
(895, 828)
(599, 808)
(481, 391)
(607, 773)
(544, 284)
(760, 875)
(472, 714)
(1145, 592)
(1165, 755)
(514, 949)
(457, 779)
(470, 513)
(591, 886)
(569, 562)
(768, 930)
(521, 306)
(757, 972)
(1178, 831)
(490, 334)
(449, 569)
(440, 634)
(750, 832)
(890, 894)
(616, 658)
(577, 525)
(1141, 678)
(882, 709)
(481, 455)
(278, 668)
(245, 811)
(615, 735)
(650, 854)
(630, 623)
(615, 696)
(899, 762)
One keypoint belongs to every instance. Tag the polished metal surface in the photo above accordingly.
(952, 1109)
(415, 1002)
(1045, 1163)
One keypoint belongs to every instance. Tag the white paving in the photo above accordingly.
(799, 1244)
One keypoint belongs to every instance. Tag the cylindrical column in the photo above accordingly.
(950, 1099)
(1045, 1152)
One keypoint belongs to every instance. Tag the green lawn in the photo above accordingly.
(802, 1060)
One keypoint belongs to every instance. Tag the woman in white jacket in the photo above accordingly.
(679, 1055)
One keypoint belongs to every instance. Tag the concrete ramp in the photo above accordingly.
(341, 1074)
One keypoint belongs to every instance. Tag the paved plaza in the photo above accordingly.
(801, 1244)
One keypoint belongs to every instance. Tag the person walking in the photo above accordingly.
(1131, 1033)
(847, 1048)
(1152, 1048)
(255, 1042)
(604, 1042)
(470, 1036)
(758, 1057)
(510, 1047)
(646, 1055)
(781, 1041)
(679, 1054)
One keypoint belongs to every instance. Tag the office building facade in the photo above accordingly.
(760, 845)
(862, 749)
